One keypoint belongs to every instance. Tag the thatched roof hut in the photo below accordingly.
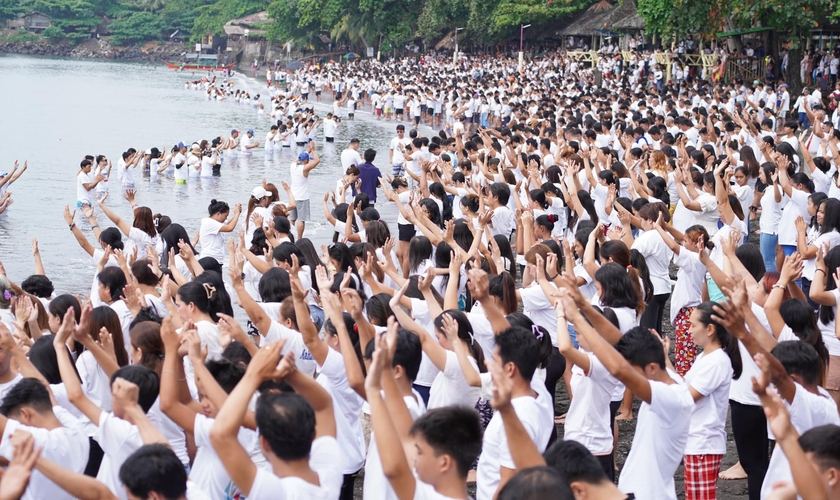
(604, 18)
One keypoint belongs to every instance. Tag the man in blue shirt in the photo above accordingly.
(369, 176)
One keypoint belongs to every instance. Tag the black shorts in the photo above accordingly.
(416, 119)
(338, 96)
(351, 115)
(476, 118)
(317, 92)
(422, 109)
(406, 232)
(330, 139)
(398, 111)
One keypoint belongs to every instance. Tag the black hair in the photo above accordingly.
(799, 358)
(465, 333)
(287, 423)
(28, 392)
(641, 348)
(521, 320)
(799, 316)
(823, 443)
(154, 468)
(145, 379)
(143, 273)
(352, 333)
(728, 342)
(42, 356)
(452, 430)
(284, 251)
(419, 249)
(501, 191)
(750, 256)
(59, 306)
(574, 462)
(112, 237)
(503, 287)
(275, 285)
(310, 257)
(832, 261)
(378, 309)
(171, 236)
(220, 302)
(536, 483)
(409, 353)
(113, 278)
(617, 289)
(217, 207)
(226, 373)
(38, 285)
(520, 347)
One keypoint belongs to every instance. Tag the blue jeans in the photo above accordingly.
(317, 316)
(767, 244)
(803, 120)
(788, 249)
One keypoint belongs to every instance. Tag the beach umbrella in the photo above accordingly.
(350, 55)
(292, 66)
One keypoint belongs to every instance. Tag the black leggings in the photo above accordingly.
(94, 458)
(749, 427)
(652, 317)
(553, 373)
(348, 486)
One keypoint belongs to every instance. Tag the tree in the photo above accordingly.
(212, 17)
(136, 27)
(54, 34)
(9, 9)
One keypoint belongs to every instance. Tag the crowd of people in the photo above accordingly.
(547, 229)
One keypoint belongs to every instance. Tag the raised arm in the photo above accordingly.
(77, 233)
(124, 226)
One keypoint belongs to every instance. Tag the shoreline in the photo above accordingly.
(95, 50)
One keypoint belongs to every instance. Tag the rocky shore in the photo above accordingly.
(97, 49)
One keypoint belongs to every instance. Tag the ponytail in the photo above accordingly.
(503, 287)
(635, 278)
(465, 334)
(728, 342)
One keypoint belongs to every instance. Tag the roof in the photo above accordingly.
(35, 12)
(603, 18)
(254, 23)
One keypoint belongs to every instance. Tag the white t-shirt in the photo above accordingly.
(539, 309)
(118, 439)
(322, 460)
(377, 486)
(659, 443)
(294, 342)
(450, 386)
(504, 222)
(208, 472)
(329, 127)
(347, 406)
(808, 410)
(495, 452)
(690, 278)
(795, 207)
(708, 216)
(83, 194)
(350, 157)
(300, 184)
(832, 343)
(588, 419)
(95, 382)
(771, 212)
(657, 257)
(711, 376)
(67, 446)
(211, 240)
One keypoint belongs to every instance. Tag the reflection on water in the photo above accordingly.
(57, 111)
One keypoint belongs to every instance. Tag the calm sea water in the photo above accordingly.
(56, 111)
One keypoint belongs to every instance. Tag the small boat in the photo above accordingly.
(191, 66)
(199, 62)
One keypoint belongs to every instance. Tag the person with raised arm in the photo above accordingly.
(638, 361)
(445, 441)
(303, 461)
(119, 433)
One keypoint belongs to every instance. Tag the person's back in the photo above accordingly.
(27, 407)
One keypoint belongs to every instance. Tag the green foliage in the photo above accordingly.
(213, 16)
(9, 9)
(136, 27)
(54, 34)
(21, 35)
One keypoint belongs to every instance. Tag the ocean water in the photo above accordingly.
(55, 111)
